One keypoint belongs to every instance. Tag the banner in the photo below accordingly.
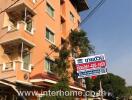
(91, 66)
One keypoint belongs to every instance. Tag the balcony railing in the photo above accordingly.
(28, 28)
(13, 27)
(8, 66)
(16, 34)
(11, 66)
(13, 71)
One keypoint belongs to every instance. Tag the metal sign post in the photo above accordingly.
(101, 90)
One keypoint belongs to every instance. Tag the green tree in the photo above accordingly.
(77, 45)
(110, 83)
(129, 91)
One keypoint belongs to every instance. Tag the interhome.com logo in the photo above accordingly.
(64, 93)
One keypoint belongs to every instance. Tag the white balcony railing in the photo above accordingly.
(15, 27)
(11, 66)
(8, 66)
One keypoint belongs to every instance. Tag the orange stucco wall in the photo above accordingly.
(41, 20)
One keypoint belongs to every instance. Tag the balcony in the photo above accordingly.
(18, 25)
(17, 35)
(16, 60)
(29, 3)
(12, 71)
(80, 5)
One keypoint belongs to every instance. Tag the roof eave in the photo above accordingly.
(82, 5)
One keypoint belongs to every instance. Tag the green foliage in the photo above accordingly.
(61, 85)
(60, 67)
(110, 83)
(79, 40)
(61, 63)
(63, 54)
(89, 83)
(129, 91)
(78, 43)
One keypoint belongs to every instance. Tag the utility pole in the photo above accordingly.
(101, 90)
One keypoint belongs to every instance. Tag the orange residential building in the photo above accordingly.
(27, 29)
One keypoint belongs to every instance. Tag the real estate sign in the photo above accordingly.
(91, 66)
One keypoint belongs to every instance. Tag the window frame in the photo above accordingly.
(29, 65)
(51, 8)
(50, 32)
(72, 17)
(47, 64)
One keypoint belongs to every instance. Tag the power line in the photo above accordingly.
(92, 11)
(9, 6)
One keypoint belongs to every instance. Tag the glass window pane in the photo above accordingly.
(71, 17)
(26, 61)
(50, 35)
(49, 65)
(47, 34)
(50, 10)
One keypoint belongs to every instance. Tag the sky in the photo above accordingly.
(110, 31)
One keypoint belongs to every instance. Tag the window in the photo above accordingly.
(50, 10)
(49, 35)
(29, 26)
(26, 61)
(71, 17)
(49, 65)
(29, 23)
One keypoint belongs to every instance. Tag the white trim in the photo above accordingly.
(50, 81)
(32, 30)
(29, 67)
(50, 29)
(43, 80)
(14, 65)
(49, 41)
(36, 80)
(54, 82)
(3, 67)
(14, 87)
(48, 1)
(23, 82)
(51, 5)
(76, 88)
(73, 17)
(12, 69)
(27, 41)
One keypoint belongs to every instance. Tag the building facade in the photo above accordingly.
(27, 29)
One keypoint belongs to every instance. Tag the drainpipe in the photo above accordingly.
(22, 52)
